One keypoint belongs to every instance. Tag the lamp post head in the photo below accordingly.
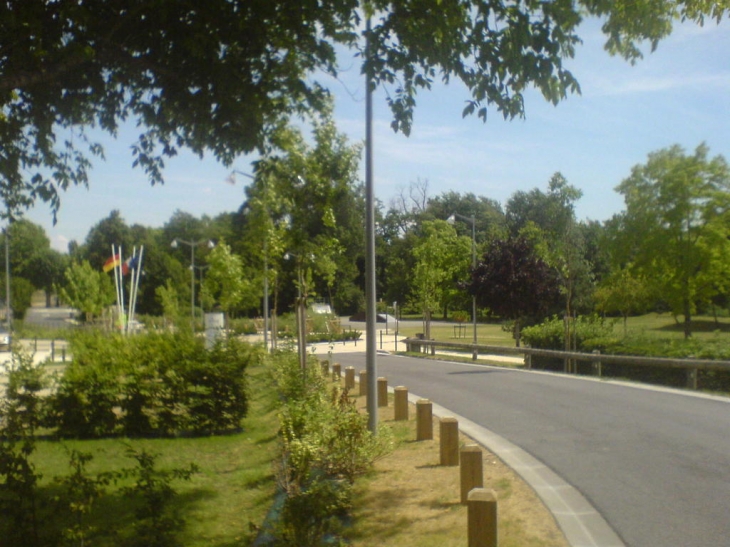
(211, 244)
(451, 220)
(174, 244)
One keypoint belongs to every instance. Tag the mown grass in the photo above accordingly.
(410, 500)
(490, 334)
(655, 325)
(229, 496)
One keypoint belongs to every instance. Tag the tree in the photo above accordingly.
(216, 76)
(32, 258)
(21, 294)
(552, 211)
(87, 289)
(514, 282)
(548, 220)
(487, 213)
(442, 257)
(676, 227)
(112, 230)
(317, 213)
(226, 281)
(623, 293)
(47, 267)
(170, 302)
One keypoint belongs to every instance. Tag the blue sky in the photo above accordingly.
(680, 94)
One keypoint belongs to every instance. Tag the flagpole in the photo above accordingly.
(121, 290)
(131, 289)
(116, 280)
(136, 272)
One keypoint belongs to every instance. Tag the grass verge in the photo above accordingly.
(409, 500)
(224, 502)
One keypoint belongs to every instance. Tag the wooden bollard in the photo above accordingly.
(471, 470)
(337, 370)
(424, 420)
(350, 378)
(364, 383)
(325, 368)
(382, 391)
(482, 518)
(401, 404)
(449, 441)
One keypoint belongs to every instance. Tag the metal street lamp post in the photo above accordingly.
(451, 220)
(301, 314)
(192, 244)
(8, 312)
(201, 269)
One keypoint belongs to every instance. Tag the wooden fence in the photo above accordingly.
(597, 359)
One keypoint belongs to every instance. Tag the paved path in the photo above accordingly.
(655, 463)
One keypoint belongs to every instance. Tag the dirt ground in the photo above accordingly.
(410, 500)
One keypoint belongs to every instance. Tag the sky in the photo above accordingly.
(679, 94)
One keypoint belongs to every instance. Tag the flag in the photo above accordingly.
(110, 264)
(129, 265)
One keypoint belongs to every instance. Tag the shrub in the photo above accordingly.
(326, 444)
(460, 316)
(550, 334)
(150, 384)
(20, 411)
(156, 523)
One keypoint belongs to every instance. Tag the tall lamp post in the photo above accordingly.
(192, 244)
(201, 269)
(301, 314)
(8, 312)
(452, 220)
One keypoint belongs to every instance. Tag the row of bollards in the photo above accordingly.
(481, 502)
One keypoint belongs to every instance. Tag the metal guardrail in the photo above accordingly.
(692, 366)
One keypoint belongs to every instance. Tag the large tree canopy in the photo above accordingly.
(675, 229)
(214, 75)
(514, 282)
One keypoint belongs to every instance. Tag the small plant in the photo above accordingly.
(156, 525)
(460, 316)
(326, 444)
(79, 493)
(20, 416)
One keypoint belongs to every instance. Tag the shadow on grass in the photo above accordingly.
(698, 325)
(110, 523)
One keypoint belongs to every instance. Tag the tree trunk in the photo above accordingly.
(516, 332)
(687, 319)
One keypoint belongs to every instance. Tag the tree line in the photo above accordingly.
(250, 67)
(301, 224)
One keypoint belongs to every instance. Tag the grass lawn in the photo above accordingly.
(664, 325)
(232, 491)
(490, 334)
(409, 500)
(655, 325)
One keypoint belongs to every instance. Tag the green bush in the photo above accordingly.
(20, 411)
(150, 384)
(550, 334)
(595, 334)
(326, 444)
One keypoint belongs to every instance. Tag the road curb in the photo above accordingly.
(581, 523)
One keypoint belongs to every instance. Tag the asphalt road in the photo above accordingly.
(53, 318)
(654, 463)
